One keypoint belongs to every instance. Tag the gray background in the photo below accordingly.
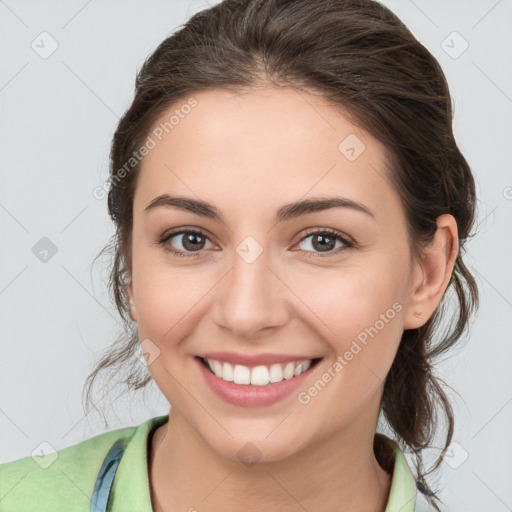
(58, 115)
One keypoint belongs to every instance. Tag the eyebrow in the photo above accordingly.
(284, 213)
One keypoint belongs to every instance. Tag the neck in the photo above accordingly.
(338, 474)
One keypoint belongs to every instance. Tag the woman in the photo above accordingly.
(291, 208)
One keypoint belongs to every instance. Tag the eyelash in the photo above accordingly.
(327, 231)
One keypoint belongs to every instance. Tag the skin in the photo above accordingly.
(248, 155)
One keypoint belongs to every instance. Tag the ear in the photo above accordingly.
(432, 275)
(129, 291)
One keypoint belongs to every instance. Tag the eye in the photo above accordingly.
(324, 241)
(191, 241)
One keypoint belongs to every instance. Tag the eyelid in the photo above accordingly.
(319, 230)
(345, 239)
(348, 242)
(163, 239)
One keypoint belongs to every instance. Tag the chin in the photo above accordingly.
(252, 449)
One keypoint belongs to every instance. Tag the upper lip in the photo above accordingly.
(253, 360)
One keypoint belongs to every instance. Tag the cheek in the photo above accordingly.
(168, 300)
(359, 312)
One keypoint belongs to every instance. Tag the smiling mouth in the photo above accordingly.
(262, 375)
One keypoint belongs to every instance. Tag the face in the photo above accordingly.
(330, 283)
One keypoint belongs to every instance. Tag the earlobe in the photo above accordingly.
(432, 274)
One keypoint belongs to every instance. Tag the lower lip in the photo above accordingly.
(247, 395)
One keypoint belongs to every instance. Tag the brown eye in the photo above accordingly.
(192, 242)
(324, 241)
(182, 242)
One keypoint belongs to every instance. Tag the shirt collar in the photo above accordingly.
(402, 494)
(130, 490)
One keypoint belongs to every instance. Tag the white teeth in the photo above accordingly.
(288, 371)
(302, 367)
(210, 364)
(241, 374)
(227, 372)
(258, 375)
(276, 373)
(217, 368)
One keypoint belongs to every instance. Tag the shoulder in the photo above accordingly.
(59, 480)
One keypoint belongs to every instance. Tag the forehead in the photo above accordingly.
(262, 148)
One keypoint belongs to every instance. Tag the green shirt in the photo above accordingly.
(64, 480)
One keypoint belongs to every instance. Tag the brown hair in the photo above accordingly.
(358, 55)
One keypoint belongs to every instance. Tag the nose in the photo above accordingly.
(252, 299)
